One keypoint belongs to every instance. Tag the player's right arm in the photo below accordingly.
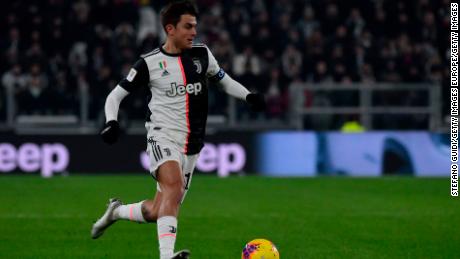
(138, 76)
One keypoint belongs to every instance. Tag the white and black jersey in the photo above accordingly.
(178, 86)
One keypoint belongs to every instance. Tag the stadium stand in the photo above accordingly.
(54, 50)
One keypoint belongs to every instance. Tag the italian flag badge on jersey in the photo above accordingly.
(163, 66)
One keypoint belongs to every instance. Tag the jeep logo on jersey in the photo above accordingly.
(182, 89)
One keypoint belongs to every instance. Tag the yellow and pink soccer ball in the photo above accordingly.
(260, 249)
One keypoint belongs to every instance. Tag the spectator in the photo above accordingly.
(148, 24)
(291, 61)
(35, 99)
(359, 41)
(246, 63)
(308, 24)
(13, 80)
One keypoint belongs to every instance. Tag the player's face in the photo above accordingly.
(184, 32)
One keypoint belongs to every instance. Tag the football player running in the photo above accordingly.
(177, 75)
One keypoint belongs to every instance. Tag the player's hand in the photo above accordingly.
(256, 102)
(110, 132)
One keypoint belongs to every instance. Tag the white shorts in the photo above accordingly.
(162, 149)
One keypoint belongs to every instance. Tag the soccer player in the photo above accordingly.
(177, 75)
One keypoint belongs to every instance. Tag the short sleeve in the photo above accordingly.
(215, 73)
(137, 77)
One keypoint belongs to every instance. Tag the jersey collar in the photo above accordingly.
(169, 54)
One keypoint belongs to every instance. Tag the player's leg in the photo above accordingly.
(188, 166)
(144, 211)
(172, 189)
(150, 208)
(115, 211)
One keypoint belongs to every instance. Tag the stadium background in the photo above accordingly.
(314, 61)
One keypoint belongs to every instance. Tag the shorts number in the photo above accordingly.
(187, 182)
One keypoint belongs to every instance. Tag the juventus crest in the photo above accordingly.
(197, 64)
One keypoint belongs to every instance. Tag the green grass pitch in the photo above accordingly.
(305, 218)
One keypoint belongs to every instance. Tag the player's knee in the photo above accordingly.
(181, 191)
(149, 212)
(150, 215)
(173, 195)
(176, 187)
(178, 190)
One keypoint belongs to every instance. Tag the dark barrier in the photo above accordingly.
(224, 153)
(286, 153)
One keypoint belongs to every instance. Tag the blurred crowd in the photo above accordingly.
(54, 51)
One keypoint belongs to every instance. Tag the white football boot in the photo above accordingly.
(183, 254)
(106, 220)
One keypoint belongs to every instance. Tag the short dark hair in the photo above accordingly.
(171, 13)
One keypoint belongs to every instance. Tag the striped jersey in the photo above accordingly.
(178, 84)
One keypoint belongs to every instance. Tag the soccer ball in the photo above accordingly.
(260, 249)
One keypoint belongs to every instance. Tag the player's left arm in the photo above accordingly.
(232, 87)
